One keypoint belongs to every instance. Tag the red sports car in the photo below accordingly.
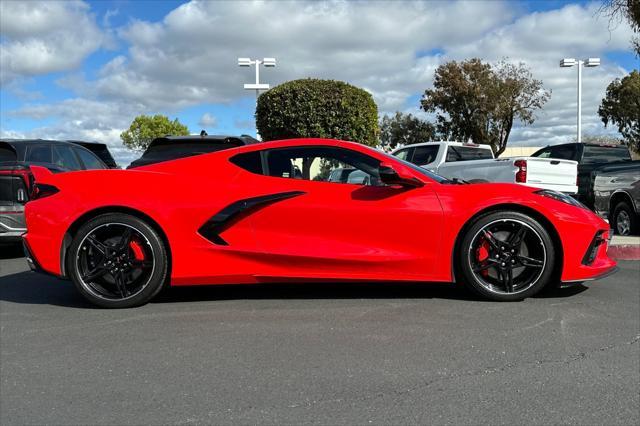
(303, 210)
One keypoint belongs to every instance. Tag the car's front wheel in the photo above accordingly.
(506, 256)
(624, 220)
(117, 260)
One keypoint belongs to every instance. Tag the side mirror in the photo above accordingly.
(390, 176)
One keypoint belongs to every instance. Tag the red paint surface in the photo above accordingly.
(333, 232)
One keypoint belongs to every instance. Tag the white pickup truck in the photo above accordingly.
(470, 162)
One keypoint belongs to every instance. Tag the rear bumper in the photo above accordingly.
(12, 225)
(32, 261)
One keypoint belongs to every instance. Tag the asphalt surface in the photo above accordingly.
(322, 353)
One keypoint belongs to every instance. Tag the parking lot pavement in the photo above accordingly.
(322, 353)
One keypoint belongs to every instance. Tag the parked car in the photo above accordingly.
(590, 157)
(616, 191)
(173, 147)
(473, 162)
(251, 218)
(16, 180)
(100, 150)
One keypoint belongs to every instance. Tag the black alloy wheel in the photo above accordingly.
(117, 261)
(506, 256)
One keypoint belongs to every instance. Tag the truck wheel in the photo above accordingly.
(624, 220)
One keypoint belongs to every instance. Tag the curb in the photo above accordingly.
(624, 252)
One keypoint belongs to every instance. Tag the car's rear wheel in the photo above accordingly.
(506, 256)
(117, 260)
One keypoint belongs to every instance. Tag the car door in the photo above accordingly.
(323, 229)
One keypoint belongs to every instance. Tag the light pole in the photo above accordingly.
(569, 62)
(257, 86)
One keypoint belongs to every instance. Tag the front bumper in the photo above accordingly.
(594, 261)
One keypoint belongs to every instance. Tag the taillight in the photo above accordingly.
(20, 184)
(521, 174)
(41, 190)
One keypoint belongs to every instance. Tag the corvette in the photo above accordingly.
(269, 212)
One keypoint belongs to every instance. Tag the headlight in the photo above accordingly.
(559, 196)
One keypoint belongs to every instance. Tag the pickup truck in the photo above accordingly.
(473, 162)
(616, 190)
(590, 158)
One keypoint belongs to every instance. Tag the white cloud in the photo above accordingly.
(83, 119)
(43, 37)
(391, 49)
(190, 57)
(208, 120)
(541, 40)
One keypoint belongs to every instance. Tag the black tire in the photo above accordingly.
(144, 281)
(624, 220)
(511, 270)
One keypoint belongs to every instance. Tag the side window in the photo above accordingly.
(250, 161)
(474, 153)
(462, 153)
(453, 154)
(404, 154)
(545, 153)
(39, 153)
(563, 152)
(323, 164)
(64, 157)
(89, 160)
(604, 154)
(424, 155)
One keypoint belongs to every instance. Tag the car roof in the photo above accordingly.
(49, 141)
(167, 140)
(449, 143)
(605, 145)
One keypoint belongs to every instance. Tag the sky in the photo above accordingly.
(85, 69)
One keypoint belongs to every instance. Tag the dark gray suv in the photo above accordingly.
(16, 179)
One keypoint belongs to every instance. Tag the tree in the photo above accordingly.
(621, 106)
(616, 10)
(405, 129)
(145, 128)
(475, 100)
(318, 108)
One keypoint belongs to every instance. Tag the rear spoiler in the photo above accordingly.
(41, 174)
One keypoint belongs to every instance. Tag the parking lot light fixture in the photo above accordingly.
(257, 86)
(570, 62)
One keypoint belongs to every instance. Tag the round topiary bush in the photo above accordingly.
(317, 109)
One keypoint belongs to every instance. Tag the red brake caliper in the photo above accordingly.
(482, 254)
(138, 253)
